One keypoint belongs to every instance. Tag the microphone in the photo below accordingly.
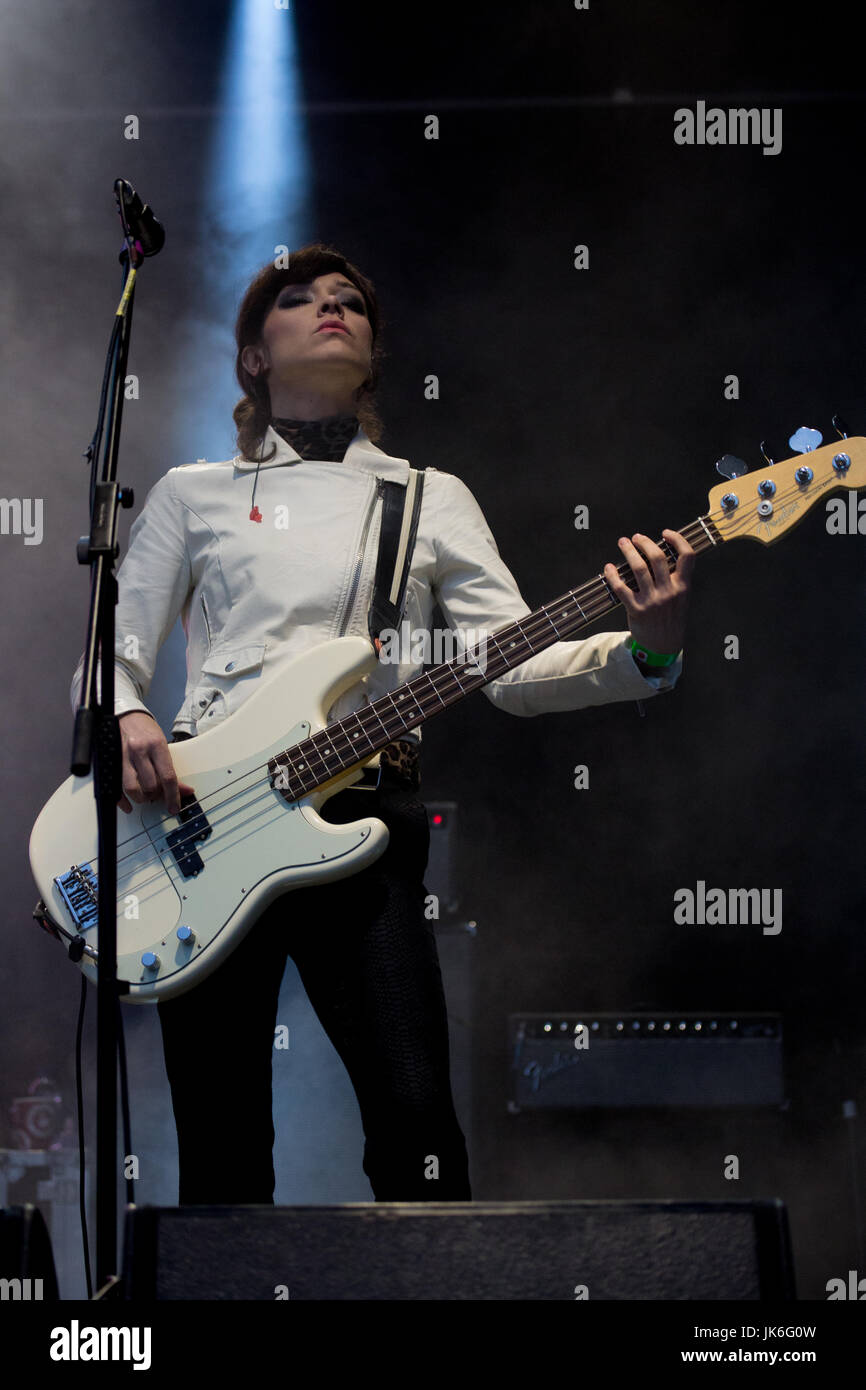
(138, 220)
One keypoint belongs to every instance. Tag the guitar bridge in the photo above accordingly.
(78, 889)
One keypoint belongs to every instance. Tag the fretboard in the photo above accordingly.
(347, 742)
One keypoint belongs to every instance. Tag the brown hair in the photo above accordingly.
(252, 414)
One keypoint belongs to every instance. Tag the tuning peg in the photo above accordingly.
(804, 440)
(768, 458)
(840, 427)
(730, 467)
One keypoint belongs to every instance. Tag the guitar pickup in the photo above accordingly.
(182, 843)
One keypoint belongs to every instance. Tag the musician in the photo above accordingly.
(252, 594)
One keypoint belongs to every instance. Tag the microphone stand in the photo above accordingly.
(96, 735)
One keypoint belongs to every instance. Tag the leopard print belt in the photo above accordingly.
(402, 759)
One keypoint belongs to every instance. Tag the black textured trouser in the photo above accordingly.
(367, 957)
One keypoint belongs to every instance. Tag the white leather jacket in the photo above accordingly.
(252, 595)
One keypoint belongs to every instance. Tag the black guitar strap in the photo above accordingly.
(401, 507)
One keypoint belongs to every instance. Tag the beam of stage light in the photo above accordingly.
(254, 199)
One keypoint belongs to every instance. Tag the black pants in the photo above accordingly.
(367, 957)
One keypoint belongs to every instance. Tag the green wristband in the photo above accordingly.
(648, 658)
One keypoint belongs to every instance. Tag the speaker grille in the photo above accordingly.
(466, 1251)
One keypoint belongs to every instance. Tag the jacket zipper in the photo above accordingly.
(206, 623)
(359, 560)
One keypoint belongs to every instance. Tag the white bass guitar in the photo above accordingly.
(191, 886)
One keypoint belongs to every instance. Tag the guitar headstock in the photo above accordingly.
(769, 501)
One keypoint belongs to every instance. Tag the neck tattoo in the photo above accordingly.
(326, 439)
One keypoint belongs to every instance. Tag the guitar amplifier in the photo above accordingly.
(578, 1060)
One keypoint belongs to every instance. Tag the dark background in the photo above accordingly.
(558, 387)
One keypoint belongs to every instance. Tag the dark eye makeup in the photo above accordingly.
(285, 301)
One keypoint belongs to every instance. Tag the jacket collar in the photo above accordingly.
(361, 453)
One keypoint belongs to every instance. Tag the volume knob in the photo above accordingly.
(150, 961)
(186, 935)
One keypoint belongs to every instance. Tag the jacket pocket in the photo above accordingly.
(222, 686)
(239, 661)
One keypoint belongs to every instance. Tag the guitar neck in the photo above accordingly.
(347, 742)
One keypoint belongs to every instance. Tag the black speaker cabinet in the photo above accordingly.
(603, 1250)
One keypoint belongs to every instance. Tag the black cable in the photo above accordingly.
(124, 1102)
(82, 1204)
(127, 1126)
(849, 1112)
